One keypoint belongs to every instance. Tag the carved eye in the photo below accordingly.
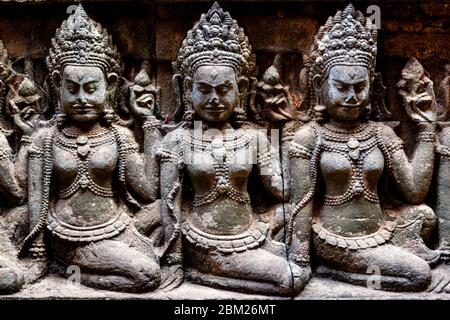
(341, 87)
(71, 88)
(91, 88)
(204, 89)
(359, 87)
(223, 90)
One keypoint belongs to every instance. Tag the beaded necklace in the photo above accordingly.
(219, 148)
(354, 145)
(80, 146)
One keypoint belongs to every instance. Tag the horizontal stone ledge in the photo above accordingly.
(56, 288)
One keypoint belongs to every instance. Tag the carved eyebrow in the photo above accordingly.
(90, 82)
(339, 81)
(82, 84)
(349, 83)
(225, 83)
(204, 83)
(72, 82)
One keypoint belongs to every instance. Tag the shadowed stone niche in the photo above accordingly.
(234, 150)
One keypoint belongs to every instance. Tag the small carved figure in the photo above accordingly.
(338, 160)
(218, 238)
(86, 176)
(273, 97)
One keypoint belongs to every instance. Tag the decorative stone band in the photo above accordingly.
(151, 123)
(380, 237)
(395, 145)
(427, 136)
(298, 151)
(73, 233)
(266, 159)
(166, 155)
(26, 140)
(250, 239)
(35, 151)
(445, 253)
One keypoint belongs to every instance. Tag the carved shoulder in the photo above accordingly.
(303, 143)
(172, 140)
(169, 149)
(388, 136)
(37, 145)
(130, 144)
(306, 137)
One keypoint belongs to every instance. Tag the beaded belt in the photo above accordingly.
(73, 233)
(380, 237)
(250, 239)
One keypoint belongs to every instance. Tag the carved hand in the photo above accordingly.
(23, 119)
(142, 106)
(420, 107)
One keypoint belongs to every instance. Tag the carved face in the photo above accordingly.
(345, 92)
(215, 92)
(83, 92)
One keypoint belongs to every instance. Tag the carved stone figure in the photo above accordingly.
(213, 231)
(273, 97)
(11, 186)
(442, 272)
(86, 175)
(338, 161)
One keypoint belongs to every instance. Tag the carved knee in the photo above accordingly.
(147, 276)
(11, 280)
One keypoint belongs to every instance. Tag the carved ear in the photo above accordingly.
(243, 85)
(317, 82)
(112, 79)
(56, 77)
(188, 83)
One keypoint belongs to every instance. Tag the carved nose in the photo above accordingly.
(214, 100)
(82, 100)
(352, 97)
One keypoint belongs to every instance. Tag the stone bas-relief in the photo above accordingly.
(223, 242)
(351, 231)
(84, 169)
(208, 198)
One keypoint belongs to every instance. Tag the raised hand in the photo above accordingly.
(416, 90)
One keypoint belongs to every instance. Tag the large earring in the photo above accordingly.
(108, 116)
(319, 113)
(61, 120)
(367, 112)
(240, 116)
(189, 113)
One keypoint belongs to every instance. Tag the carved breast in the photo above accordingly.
(203, 174)
(101, 162)
(337, 171)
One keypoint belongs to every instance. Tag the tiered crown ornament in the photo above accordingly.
(348, 38)
(82, 41)
(216, 39)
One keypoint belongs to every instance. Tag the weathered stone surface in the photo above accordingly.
(86, 145)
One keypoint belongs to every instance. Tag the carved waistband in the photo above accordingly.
(380, 237)
(73, 233)
(250, 239)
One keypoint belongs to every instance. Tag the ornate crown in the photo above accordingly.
(216, 39)
(82, 41)
(348, 38)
